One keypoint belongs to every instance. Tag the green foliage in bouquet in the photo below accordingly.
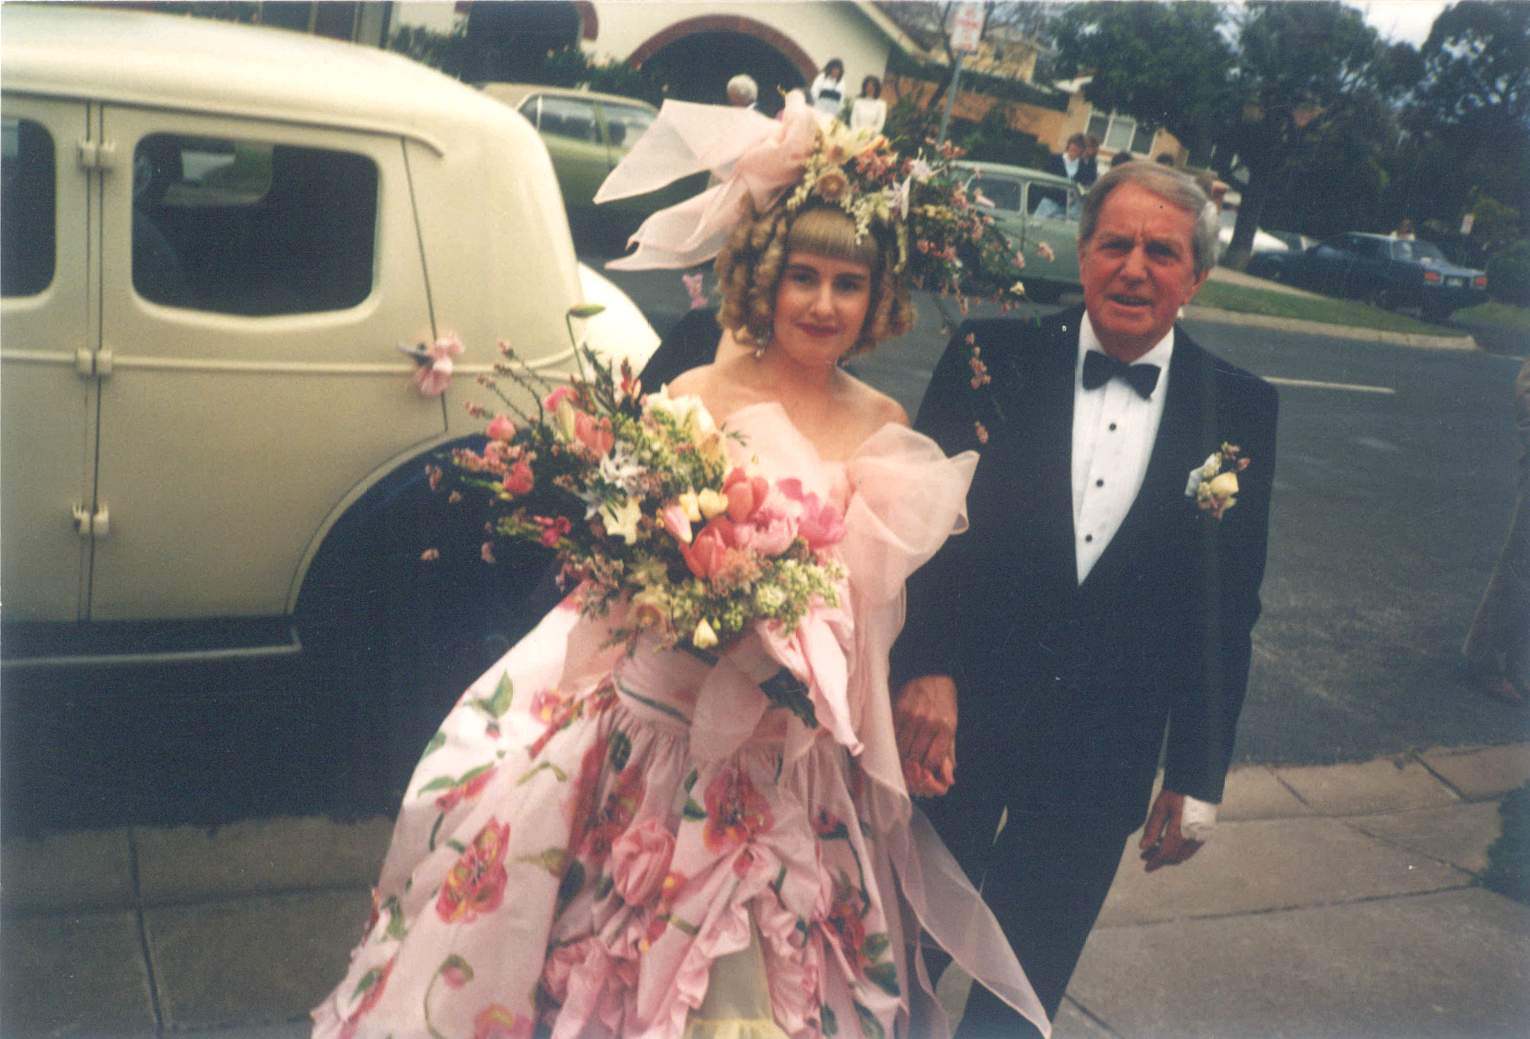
(636, 495)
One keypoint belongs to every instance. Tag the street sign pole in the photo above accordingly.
(945, 117)
(966, 31)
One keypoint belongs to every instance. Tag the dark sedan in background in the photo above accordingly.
(1384, 271)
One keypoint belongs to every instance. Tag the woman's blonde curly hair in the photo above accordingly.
(749, 270)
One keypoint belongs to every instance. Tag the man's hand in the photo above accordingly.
(924, 716)
(1162, 842)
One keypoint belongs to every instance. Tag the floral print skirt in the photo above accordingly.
(563, 866)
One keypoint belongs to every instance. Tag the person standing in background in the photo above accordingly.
(742, 91)
(1497, 648)
(827, 92)
(1089, 165)
(1069, 162)
(869, 111)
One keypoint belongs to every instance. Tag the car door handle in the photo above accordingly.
(92, 524)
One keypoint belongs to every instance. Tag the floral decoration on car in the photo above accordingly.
(433, 363)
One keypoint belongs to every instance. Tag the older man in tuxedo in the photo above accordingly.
(1100, 607)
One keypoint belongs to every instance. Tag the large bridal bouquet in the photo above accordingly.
(636, 496)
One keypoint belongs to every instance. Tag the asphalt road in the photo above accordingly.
(1394, 488)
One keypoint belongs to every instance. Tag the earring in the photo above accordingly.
(759, 351)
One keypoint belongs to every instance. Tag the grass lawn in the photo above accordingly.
(1500, 327)
(1249, 300)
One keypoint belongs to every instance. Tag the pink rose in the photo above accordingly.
(595, 434)
(640, 860)
(501, 428)
(822, 523)
(558, 396)
(769, 532)
(520, 479)
(745, 494)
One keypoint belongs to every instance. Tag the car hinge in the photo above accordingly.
(98, 155)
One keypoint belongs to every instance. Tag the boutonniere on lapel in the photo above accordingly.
(1213, 484)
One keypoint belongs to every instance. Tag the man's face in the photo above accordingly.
(1073, 150)
(1138, 269)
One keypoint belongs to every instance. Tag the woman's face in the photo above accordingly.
(834, 70)
(821, 306)
(870, 87)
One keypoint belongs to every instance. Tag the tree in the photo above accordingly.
(1266, 83)
(1473, 101)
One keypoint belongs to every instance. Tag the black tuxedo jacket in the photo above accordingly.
(1065, 691)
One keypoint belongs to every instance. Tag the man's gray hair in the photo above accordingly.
(742, 89)
(1176, 188)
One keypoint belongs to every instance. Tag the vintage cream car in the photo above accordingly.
(216, 239)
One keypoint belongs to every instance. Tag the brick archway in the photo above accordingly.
(730, 24)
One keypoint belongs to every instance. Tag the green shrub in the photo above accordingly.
(1508, 870)
(1508, 272)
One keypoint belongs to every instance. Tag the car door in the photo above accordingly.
(1001, 197)
(1051, 238)
(257, 280)
(1329, 264)
(47, 342)
(1367, 275)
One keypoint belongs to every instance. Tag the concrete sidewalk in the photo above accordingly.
(1334, 901)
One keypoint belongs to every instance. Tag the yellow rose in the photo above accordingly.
(691, 506)
(704, 637)
(712, 503)
(1224, 486)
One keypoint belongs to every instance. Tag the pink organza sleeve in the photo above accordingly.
(908, 497)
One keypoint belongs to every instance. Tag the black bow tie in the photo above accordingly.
(1101, 368)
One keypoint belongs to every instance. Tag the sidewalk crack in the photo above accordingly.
(143, 936)
(1439, 778)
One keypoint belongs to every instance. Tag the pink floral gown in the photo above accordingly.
(592, 840)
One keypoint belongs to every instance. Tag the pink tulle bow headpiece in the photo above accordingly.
(748, 153)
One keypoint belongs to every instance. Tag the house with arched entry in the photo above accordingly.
(693, 48)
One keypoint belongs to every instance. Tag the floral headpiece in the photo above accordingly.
(945, 243)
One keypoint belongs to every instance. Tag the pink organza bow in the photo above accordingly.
(750, 154)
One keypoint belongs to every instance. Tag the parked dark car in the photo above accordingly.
(1384, 271)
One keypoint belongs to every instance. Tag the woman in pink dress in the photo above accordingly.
(603, 844)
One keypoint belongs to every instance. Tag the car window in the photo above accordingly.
(1372, 248)
(626, 123)
(1427, 253)
(27, 232)
(254, 228)
(1002, 192)
(1051, 202)
(568, 117)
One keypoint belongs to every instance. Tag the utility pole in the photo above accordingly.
(966, 31)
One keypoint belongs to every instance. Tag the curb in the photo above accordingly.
(1370, 335)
